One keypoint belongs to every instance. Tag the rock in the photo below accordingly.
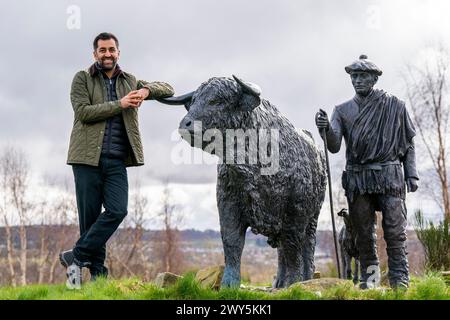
(166, 279)
(210, 277)
(256, 288)
(320, 284)
(316, 275)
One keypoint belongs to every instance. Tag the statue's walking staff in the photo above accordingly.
(324, 134)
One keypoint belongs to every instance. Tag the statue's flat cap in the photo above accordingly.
(365, 65)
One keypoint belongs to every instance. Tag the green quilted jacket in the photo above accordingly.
(88, 96)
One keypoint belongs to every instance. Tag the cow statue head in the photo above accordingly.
(217, 105)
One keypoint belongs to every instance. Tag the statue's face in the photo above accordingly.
(363, 82)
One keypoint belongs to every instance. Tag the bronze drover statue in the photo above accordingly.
(378, 133)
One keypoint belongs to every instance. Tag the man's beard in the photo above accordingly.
(108, 67)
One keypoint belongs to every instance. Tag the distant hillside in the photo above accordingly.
(324, 244)
(188, 235)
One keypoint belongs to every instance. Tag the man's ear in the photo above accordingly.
(250, 97)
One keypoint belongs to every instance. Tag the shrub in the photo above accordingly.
(436, 242)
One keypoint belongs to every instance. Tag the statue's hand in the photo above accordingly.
(322, 120)
(411, 184)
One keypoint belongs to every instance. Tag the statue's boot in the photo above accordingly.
(370, 272)
(398, 267)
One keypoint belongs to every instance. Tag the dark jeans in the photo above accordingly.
(363, 218)
(105, 185)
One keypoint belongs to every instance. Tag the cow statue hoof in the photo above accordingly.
(231, 278)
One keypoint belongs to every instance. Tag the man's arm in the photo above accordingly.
(156, 89)
(409, 168)
(333, 129)
(409, 159)
(84, 110)
(334, 133)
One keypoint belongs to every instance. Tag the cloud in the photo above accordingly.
(295, 50)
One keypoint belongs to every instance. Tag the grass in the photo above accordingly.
(429, 287)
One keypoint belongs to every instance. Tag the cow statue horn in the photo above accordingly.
(180, 100)
(248, 87)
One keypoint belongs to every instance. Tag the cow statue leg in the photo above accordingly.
(296, 248)
(348, 265)
(290, 261)
(344, 262)
(356, 273)
(281, 272)
(233, 238)
(308, 251)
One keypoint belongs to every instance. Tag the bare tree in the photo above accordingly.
(167, 244)
(4, 210)
(126, 247)
(16, 179)
(427, 90)
(138, 220)
(19, 185)
(64, 216)
(44, 235)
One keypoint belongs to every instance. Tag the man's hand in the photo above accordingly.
(132, 100)
(322, 120)
(411, 184)
(144, 93)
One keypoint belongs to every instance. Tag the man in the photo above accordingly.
(378, 133)
(105, 140)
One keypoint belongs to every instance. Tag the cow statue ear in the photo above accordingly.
(250, 98)
(249, 102)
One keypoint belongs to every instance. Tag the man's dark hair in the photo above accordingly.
(105, 36)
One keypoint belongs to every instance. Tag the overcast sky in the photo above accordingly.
(294, 50)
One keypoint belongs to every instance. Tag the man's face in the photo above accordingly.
(363, 82)
(107, 54)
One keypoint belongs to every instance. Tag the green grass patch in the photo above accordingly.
(428, 287)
